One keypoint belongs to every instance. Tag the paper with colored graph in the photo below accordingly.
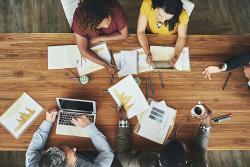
(127, 93)
(20, 115)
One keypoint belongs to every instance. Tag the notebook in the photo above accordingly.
(88, 66)
(65, 56)
(162, 56)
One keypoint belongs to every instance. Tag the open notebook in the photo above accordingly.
(162, 56)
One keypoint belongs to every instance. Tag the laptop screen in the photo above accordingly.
(76, 105)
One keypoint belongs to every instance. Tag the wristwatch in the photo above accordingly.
(205, 128)
(223, 66)
(248, 84)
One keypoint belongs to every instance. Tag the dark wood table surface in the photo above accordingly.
(24, 68)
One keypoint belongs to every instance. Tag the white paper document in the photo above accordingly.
(20, 115)
(126, 62)
(163, 54)
(143, 66)
(88, 66)
(65, 56)
(127, 93)
(156, 121)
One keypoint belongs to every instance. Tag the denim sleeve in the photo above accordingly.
(105, 153)
(33, 154)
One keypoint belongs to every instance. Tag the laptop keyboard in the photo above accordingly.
(66, 117)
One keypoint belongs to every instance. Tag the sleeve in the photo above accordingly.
(123, 143)
(76, 28)
(33, 154)
(201, 145)
(183, 19)
(238, 61)
(105, 153)
(120, 17)
(145, 8)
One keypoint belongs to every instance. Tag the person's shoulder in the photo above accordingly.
(183, 18)
(147, 3)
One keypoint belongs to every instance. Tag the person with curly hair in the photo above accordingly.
(98, 21)
(162, 17)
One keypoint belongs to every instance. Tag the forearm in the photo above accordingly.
(37, 143)
(202, 138)
(123, 139)
(237, 61)
(142, 38)
(105, 154)
(113, 37)
(180, 44)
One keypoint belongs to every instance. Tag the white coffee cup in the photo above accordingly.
(198, 110)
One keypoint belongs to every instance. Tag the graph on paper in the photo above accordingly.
(20, 115)
(127, 93)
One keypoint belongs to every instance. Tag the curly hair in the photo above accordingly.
(173, 7)
(93, 12)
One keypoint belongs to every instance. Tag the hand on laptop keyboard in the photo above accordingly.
(82, 121)
(66, 118)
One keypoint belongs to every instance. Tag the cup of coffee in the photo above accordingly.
(198, 110)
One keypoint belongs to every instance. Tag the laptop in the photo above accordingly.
(71, 108)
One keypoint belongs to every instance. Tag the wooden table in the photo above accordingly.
(23, 67)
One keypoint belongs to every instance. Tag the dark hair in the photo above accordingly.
(54, 157)
(173, 154)
(173, 7)
(148, 159)
(93, 12)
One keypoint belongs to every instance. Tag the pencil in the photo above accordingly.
(161, 79)
(151, 86)
(226, 81)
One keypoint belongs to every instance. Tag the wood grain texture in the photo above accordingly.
(23, 67)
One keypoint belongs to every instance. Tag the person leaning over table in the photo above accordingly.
(172, 154)
(65, 156)
(98, 21)
(162, 17)
(242, 60)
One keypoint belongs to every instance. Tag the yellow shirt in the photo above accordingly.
(150, 13)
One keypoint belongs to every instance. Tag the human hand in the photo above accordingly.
(174, 59)
(210, 70)
(51, 116)
(111, 69)
(247, 71)
(149, 58)
(82, 121)
(121, 112)
(206, 117)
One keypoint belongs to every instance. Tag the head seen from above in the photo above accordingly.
(167, 12)
(62, 156)
(95, 14)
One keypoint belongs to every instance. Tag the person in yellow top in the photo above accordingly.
(162, 17)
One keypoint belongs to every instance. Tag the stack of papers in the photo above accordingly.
(88, 66)
(132, 62)
(126, 62)
(162, 56)
(65, 56)
(127, 93)
(157, 122)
